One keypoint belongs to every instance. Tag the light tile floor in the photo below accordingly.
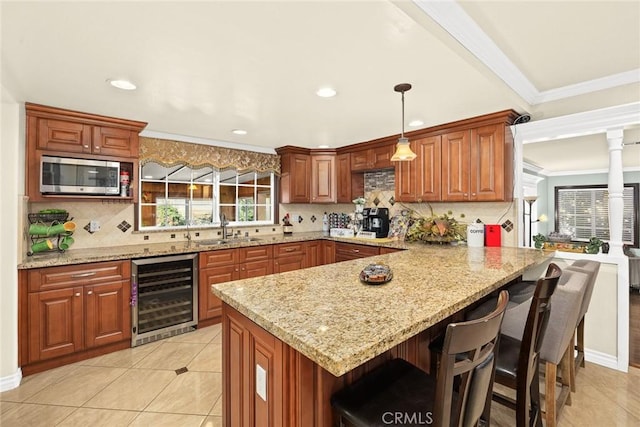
(139, 387)
(132, 387)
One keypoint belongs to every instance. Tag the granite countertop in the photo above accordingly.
(338, 322)
(81, 256)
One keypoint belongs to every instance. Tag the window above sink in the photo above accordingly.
(174, 197)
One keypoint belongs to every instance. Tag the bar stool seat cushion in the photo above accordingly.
(395, 389)
(508, 354)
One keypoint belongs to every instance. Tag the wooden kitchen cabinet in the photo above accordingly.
(419, 180)
(372, 158)
(328, 252)
(74, 309)
(226, 265)
(475, 165)
(289, 257)
(343, 179)
(323, 178)
(350, 251)
(55, 129)
(313, 253)
(295, 177)
(251, 348)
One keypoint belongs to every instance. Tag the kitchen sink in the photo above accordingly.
(211, 242)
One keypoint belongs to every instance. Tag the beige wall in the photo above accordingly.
(12, 169)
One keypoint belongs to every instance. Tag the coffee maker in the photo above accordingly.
(376, 220)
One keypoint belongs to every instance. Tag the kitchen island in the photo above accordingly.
(290, 340)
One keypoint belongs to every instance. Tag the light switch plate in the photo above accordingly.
(261, 382)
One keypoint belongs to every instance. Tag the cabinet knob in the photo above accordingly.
(86, 146)
(97, 147)
(356, 250)
(90, 293)
(466, 194)
(77, 294)
(473, 194)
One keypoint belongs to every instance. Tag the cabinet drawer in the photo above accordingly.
(218, 258)
(356, 251)
(71, 275)
(287, 249)
(256, 253)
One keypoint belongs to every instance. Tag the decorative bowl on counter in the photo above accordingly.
(376, 274)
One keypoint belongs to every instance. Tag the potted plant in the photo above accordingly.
(359, 202)
(539, 240)
(593, 247)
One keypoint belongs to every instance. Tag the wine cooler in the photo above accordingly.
(164, 297)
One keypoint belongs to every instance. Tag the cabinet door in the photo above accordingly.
(406, 174)
(300, 182)
(115, 142)
(289, 263)
(209, 305)
(455, 166)
(328, 252)
(323, 179)
(256, 268)
(108, 313)
(487, 164)
(314, 253)
(429, 168)
(381, 157)
(360, 160)
(343, 190)
(55, 323)
(60, 135)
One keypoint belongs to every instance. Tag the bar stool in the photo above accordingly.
(517, 361)
(590, 268)
(400, 393)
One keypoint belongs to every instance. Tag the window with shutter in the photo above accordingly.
(583, 212)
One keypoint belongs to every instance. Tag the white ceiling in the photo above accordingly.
(205, 68)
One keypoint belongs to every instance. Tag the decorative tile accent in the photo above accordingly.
(88, 228)
(124, 226)
(145, 238)
(507, 225)
(392, 201)
(313, 218)
(300, 219)
(376, 201)
(181, 370)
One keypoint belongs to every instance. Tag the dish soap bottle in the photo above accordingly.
(325, 225)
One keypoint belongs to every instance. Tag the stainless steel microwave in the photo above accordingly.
(62, 175)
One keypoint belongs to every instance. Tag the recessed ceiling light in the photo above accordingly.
(239, 131)
(122, 84)
(323, 146)
(326, 92)
(148, 176)
(416, 123)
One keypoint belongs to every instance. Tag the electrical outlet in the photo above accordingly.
(261, 382)
(94, 225)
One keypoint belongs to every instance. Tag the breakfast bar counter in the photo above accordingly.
(292, 339)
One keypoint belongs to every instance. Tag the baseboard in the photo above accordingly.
(602, 359)
(10, 382)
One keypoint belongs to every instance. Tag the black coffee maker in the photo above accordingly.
(376, 220)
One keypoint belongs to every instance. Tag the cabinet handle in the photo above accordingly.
(77, 294)
(97, 147)
(356, 251)
(90, 293)
(466, 194)
(86, 146)
(290, 249)
(473, 194)
(90, 273)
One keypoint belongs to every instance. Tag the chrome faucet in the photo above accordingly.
(223, 224)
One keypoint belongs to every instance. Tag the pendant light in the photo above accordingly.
(403, 149)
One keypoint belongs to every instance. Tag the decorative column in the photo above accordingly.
(616, 189)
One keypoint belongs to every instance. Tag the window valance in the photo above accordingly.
(170, 153)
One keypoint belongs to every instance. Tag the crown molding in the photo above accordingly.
(455, 21)
(578, 124)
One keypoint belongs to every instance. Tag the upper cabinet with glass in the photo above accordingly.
(177, 196)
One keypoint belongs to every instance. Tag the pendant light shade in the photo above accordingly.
(403, 149)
